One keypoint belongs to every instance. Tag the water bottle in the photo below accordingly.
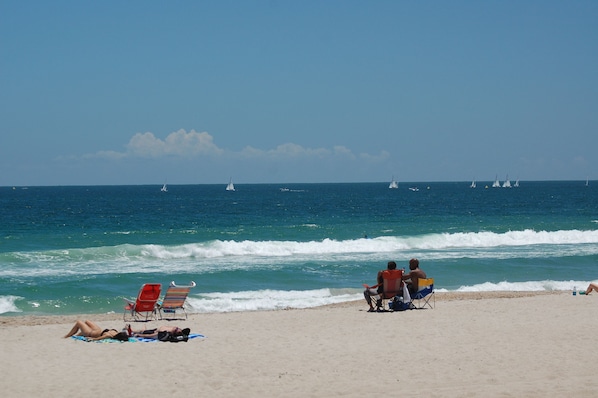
(574, 290)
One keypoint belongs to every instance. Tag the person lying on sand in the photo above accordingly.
(592, 287)
(92, 331)
(161, 331)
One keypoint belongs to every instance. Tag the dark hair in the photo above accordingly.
(413, 263)
(122, 336)
(392, 265)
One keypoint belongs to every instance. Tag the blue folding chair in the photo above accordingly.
(424, 297)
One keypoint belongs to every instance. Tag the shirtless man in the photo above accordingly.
(412, 278)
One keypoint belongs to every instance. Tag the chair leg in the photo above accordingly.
(431, 296)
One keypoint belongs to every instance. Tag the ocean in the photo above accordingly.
(82, 249)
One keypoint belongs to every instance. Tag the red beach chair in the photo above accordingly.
(392, 285)
(145, 307)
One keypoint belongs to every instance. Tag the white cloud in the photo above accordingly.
(384, 155)
(179, 143)
(191, 144)
(294, 150)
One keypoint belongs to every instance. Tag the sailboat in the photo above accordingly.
(164, 188)
(516, 183)
(393, 183)
(507, 183)
(473, 184)
(230, 186)
(496, 183)
(587, 182)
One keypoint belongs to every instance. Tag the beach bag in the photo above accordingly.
(397, 304)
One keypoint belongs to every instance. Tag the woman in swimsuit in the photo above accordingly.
(92, 331)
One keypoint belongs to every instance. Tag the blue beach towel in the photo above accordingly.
(134, 339)
(144, 340)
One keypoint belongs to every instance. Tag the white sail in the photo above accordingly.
(473, 184)
(507, 183)
(164, 188)
(230, 186)
(496, 183)
(516, 183)
(393, 183)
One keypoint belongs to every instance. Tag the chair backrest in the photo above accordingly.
(147, 297)
(176, 295)
(392, 282)
(425, 287)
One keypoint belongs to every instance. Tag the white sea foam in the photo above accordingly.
(7, 304)
(386, 244)
(267, 300)
(530, 286)
(276, 299)
(207, 256)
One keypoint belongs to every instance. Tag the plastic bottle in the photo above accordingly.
(574, 290)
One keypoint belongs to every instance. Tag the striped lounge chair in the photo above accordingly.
(174, 299)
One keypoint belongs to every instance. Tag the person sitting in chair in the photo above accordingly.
(376, 290)
(414, 275)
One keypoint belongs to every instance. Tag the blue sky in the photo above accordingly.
(194, 92)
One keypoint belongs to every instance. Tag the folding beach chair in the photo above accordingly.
(425, 293)
(392, 284)
(145, 307)
(174, 299)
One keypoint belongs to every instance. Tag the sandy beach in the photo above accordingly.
(470, 345)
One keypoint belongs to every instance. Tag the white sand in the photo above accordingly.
(477, 345)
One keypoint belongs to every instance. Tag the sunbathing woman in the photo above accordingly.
(92, 331)
(593, 286)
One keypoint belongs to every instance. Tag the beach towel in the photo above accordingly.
(83, 338)
(144, 340)
(134, 339)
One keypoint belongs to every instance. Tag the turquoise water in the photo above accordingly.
(66, 250)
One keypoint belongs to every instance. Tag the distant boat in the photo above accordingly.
(496, 183)
(507, 183)
(473, 184)
(230, 186)
(587, 182)
(516, 183)
(164, 188)
(393, 183)
(414, 189)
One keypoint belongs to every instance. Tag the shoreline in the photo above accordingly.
(32, 320)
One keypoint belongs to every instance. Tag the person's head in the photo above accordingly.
(181, 332)
(413, 263)
(122, 336)
(392, 265)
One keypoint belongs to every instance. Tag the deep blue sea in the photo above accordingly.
(72, 250)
